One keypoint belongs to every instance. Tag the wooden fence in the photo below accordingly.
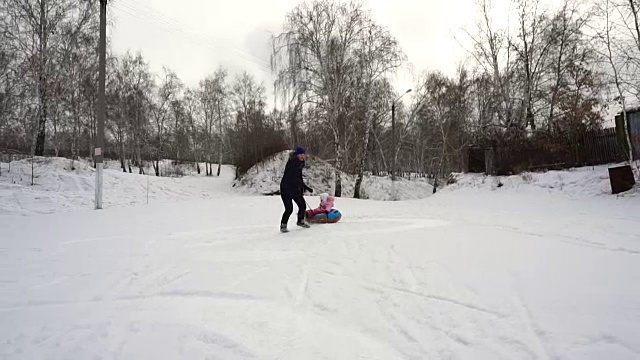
(547, 152)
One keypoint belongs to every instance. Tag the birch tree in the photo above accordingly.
(532, 50)
(378, 54)
(214, 98)
(37, 30)
(317, 55)
(492, 54)
(167, 93)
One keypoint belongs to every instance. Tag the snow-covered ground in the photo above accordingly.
(578, 182)
(59, 186)
(264, 178)
(516, 272)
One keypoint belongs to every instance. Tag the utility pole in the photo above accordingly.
(99, 150)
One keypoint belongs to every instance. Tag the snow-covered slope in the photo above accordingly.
(578, 182)
(264, 178)
(59, 186)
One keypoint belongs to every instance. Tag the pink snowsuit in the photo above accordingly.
(326, 204)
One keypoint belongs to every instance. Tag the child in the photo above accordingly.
(326, 204)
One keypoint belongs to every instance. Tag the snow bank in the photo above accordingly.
(577, 182)
(264, 178)
(60, 185)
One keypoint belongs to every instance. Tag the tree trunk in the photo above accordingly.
(529, 118)
(293, 119)
(365, 147)
(42, 122)
(42, 85)
(554, 91)
(139, 157)
(76, 128)
(634, 13)
(92, 131)
(338, 166)
(196, 158)
(56, 147)
(122, 155)
(356, 192)
(219, 141)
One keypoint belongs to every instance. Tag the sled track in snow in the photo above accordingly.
(385, 225)
(344, 227)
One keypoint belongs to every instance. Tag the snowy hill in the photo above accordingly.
(59, 186)
(578, 182)
(264, 178)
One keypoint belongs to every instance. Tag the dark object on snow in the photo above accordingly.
(331, 217)
(621, 179)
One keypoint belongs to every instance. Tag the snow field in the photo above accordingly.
(521, 271)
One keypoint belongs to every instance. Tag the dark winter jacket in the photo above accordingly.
(292, 181)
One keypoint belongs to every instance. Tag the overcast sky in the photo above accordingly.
(193, 37)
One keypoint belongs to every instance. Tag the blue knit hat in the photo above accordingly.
(300, 150)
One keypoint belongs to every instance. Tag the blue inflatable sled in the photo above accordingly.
(332, 217)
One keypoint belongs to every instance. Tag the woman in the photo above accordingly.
(292, 188)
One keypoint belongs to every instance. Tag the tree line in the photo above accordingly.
(555, 70)
(49, 87)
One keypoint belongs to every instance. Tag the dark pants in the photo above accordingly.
(287, 197)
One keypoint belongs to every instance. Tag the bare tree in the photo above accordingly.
(378, 53)
(214, 98)
(313, 56)
(138, 91)
(193, 113)
(222, 111)
(37, 30)
(116, 100)
(617, 58)
(167, 92)
(532, 50)
(492, 53)
(248, 99)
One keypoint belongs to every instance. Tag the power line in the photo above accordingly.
(188, 35)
